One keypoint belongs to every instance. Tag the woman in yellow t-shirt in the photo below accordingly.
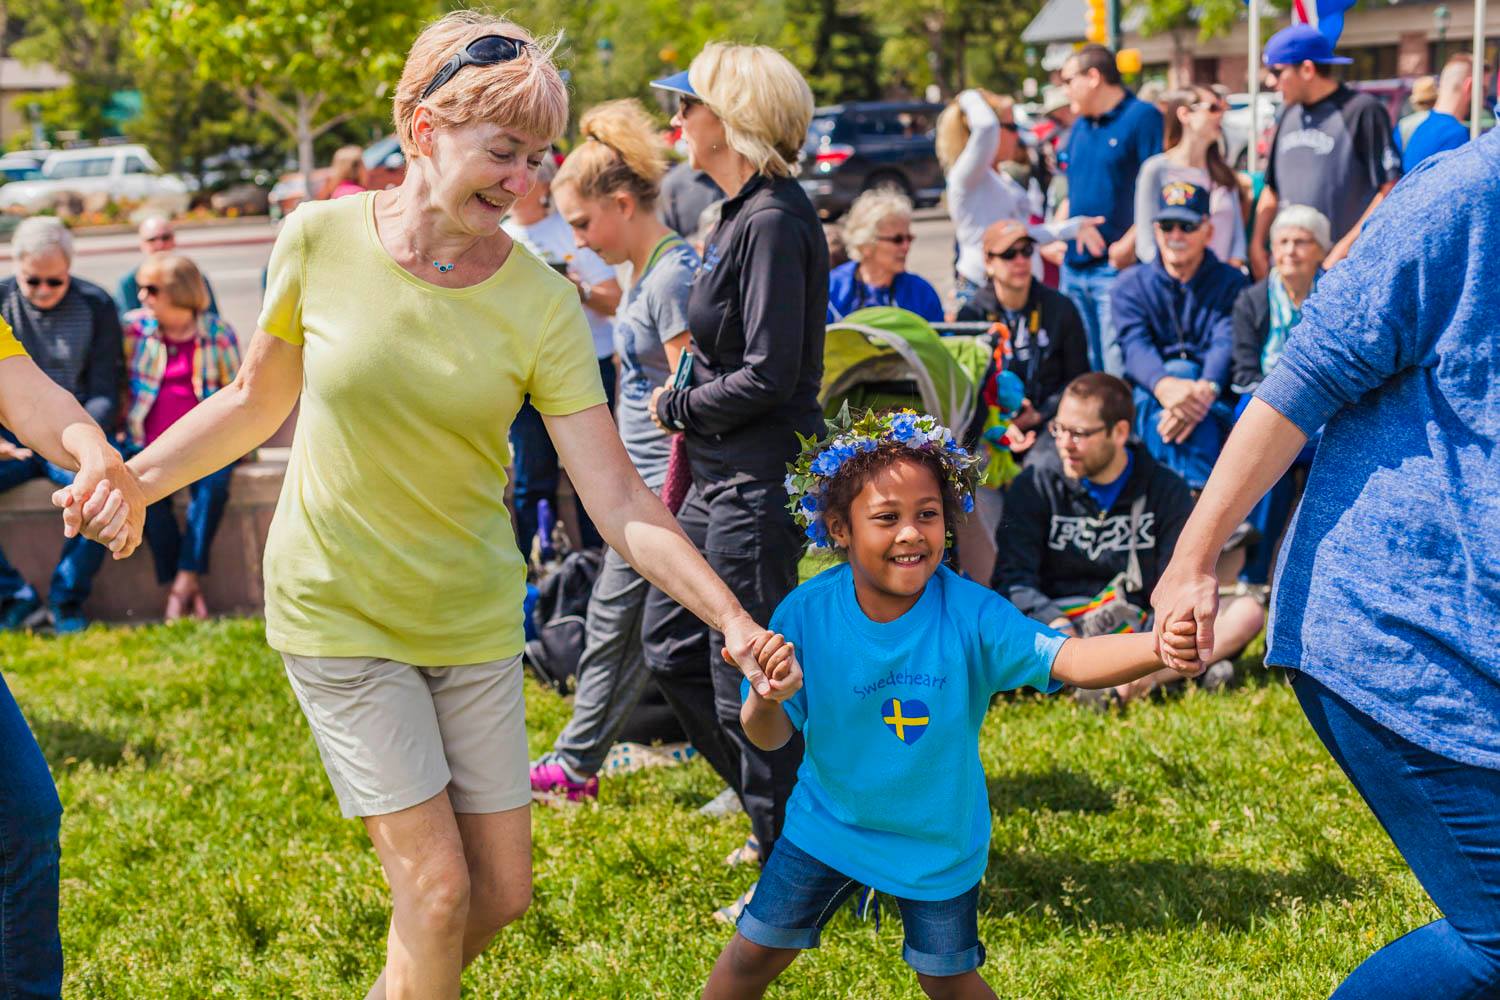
(411, 327)
(46, 417)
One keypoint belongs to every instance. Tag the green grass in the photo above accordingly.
(1202, 847)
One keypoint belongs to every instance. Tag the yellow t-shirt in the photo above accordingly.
(391, 538)
(10, 347)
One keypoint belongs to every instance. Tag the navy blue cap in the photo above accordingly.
(1183, 201)
(678, 83)
(1301, 43)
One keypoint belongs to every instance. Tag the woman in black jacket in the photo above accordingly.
(756, 315)
(1264, 316)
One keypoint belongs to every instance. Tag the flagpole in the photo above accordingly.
(1476, 99)
(1253, 64)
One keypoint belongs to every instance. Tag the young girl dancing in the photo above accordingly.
(903, 657)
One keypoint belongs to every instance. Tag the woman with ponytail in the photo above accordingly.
(607, 191)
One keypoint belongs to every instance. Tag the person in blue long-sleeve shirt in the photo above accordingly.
(1387, 596)
(1176, 328)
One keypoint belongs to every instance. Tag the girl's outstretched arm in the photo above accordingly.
(1108, 660)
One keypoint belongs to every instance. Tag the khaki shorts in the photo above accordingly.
(392, 735)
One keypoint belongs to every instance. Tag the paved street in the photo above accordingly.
(235, 269)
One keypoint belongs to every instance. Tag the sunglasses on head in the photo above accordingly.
(33, 282)
(1177, 225)
(900, 239)
(486, 51)
(1023, 249)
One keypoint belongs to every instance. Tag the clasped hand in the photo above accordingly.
(104, 504)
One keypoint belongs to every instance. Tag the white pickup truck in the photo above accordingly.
(123, 172)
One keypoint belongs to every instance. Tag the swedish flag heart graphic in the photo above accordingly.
(907, 719)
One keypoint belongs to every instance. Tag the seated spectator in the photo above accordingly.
(878, 238)
(1264, 316)
(1173, 316)
(347, 175)
(70, 329)
(177, 355)
(1048, 345)
(156, 236)
(1082, 544)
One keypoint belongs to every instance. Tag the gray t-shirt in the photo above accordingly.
(652, 312)
(1334, 155)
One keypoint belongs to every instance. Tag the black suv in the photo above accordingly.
(852, 148)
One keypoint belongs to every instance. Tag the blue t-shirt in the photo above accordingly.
(1437, 132)
(1105, 494)
(891, 790)
(1104, 158)
(912, 292)
(1388, 592)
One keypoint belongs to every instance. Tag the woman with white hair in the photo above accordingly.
(1264, 316)
(756, 316)
(878, 237)
(977, 133)
(411, 327)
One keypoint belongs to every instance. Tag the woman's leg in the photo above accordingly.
(210, 495)
(425, 864)
(1444, 817)
(164, 537)
(31, 961)
(497, 848)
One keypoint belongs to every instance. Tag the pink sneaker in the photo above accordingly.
(551, 782)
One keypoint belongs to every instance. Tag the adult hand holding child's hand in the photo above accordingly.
(778, 658)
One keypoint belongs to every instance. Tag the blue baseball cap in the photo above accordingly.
(1301, 43)
(1182, 201)
(677, 83)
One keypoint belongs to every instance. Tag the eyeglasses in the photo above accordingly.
(1061, 433)
(900, 239)
(33, 282)
(486, 51)
(1174, 225)
(1023, 249)
(686, 104)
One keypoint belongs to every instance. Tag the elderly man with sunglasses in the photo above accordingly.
(71, 330)
(1175, 320)
(156, 235)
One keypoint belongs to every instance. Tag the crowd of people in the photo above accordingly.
(474, 318)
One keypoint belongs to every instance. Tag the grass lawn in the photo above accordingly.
(1204, 847)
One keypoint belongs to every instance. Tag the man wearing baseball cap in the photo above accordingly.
(1175, 320)
(1333, 147)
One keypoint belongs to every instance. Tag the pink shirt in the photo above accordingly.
(176, 396)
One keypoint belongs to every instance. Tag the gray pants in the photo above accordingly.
(612, 670)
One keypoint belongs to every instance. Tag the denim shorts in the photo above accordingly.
(797, 894)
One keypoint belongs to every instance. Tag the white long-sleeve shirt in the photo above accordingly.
(979, 195)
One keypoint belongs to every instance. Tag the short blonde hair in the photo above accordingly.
(619, 152)
(869, 210)
(762, 100)
(953, 126)
(526, 93)
(181, 282)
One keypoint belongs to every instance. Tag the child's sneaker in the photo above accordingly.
(552, 782)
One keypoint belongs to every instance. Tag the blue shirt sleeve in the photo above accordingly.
(1015, 651)
(1381, 310)
(917, 295)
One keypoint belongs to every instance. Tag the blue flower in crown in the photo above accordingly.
(821, 460)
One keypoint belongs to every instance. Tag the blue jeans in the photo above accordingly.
(31, 963)
(173, 549)
(80, 560)
(1444, 818)
(1090, 288)
(1194, 458)
(536, 471)
(797, 894)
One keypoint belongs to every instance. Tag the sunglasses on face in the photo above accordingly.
(1023, 249)
(1177, 225)
(486, 51)
(150, 290)
(161, 238)
(1009, 127)
(900, 239)
(49, 282)
(1213, 107)
(686, 104)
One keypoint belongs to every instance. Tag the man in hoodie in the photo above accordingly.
(1176, 330)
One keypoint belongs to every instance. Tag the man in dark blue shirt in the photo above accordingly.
(1444, 128)
(1175, 317)
(1113, 135)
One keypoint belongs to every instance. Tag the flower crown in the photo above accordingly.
(821, 459)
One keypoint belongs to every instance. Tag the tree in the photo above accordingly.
(1184, 18)
(86, 39)
(309, 65)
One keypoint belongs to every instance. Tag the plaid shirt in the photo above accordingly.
(215, 364)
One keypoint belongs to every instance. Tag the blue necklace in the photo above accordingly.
(445, 268)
